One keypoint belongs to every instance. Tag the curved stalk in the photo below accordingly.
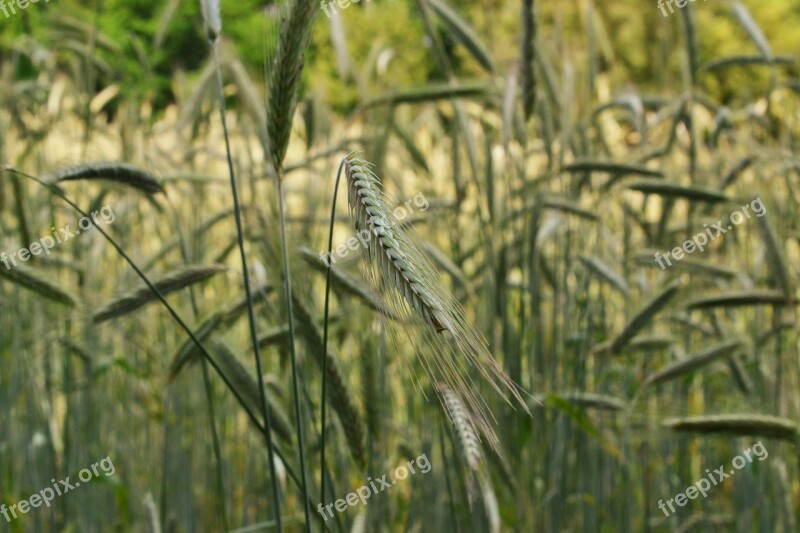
(325, 331)
(250, 314)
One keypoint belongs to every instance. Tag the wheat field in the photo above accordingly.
(399, 265)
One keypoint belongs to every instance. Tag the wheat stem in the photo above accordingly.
(212, 417)
(153, 288)
(237, 214)
(174, 314)
(292, 351)
(325, 330)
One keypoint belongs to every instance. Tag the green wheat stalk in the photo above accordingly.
(286, 66)
(213, 27)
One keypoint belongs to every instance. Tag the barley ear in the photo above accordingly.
(211, 18)
(284, 75)
(142, 294)
(471, 449)
(528, 57)
(737, 424)
(450, 349)
(32, 280)
(339, 394)
(122, 173)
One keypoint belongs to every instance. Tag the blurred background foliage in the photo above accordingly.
(143, 43)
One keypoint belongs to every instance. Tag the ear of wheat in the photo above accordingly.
(471, 450)
(122, 173)
(212, 18)
(450, 350)
(284, 76)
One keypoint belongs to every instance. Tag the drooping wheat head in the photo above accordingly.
(448, 348)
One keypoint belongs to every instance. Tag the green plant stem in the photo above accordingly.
(174, 314)
(325, 332)
(206, 382)
(55, 190)
(287, 284)
(250, 314)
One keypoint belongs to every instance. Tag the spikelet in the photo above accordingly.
(529, 13)
(121, 173)
(471, 450)
(670, 189)
(694, 362)
(212, 18)
(284, 76)
(448, 348)
(31, 279)
(772, 427)
(740, 299)
(339, 394)
(467, 436)
(643, 317)
(142, 294)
